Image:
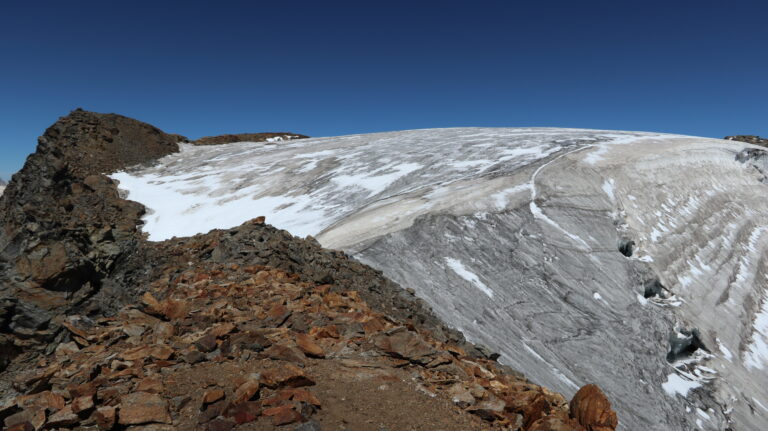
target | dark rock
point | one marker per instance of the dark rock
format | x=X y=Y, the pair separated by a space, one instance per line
x=220 y=425
x=194 y=357
x=683 y=343
x=206 y=343
x=247 y=137
x=751 y=139
x=64 y=225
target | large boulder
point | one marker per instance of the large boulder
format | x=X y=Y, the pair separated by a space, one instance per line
x=591 y=408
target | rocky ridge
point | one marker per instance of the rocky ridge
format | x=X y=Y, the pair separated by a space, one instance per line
x=101 y=328
x=248 y=137
x=750 y=139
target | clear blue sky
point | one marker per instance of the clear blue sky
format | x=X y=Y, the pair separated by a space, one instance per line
x=326 y=68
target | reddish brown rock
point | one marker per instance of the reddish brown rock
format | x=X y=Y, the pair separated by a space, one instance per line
x=220 y=330
x=212 y=411
x=45 y=399
x=591 y=408
x=247 y=390
x=33 y=415
x=143 y=407
x=213 y=395
x=63 y=418
x=173 y=309
x=288 y=375
x=283 y=415
x=150 y=384
x=307 y=344
x=206 y=343
x=285 y=353
x=23 y=426
x=105 y=417
x=220 y=425
x=244 y=412
x=82 y=404
x=161 y=352
x=298 y=395
x=405 y=344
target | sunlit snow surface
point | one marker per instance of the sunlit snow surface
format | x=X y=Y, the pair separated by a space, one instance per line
x=512 y=235
x=306 y=185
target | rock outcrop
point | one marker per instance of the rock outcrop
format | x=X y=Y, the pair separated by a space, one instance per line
x=750 y=139
x=64 y=227
x=248 y=137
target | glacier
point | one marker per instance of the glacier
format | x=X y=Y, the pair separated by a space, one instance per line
x=633 y=260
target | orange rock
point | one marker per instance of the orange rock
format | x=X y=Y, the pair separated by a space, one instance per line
x=143 y=407
x=283 y=415
x=247 y=390
x=331 y=331
x=150 y=384
x=173 y=309
x=223 y=329
x=136 y=353
x=534 y=411
x=591 y=408
x=307 y=345
x=214 y=395
x=374 y=325
x=152 y=304
x=161 y=352
x=287 y=375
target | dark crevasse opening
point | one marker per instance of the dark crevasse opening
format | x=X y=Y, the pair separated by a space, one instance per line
x=626 y=247
x=683 y=343
x=654 y=288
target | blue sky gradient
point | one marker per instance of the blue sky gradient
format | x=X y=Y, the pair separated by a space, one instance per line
x=331 y=68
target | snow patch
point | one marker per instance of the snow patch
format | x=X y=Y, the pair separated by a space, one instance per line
x=676 y=384
x=459 y=268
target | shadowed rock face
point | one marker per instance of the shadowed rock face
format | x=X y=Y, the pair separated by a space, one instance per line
x=521 y=239
x=63 y=226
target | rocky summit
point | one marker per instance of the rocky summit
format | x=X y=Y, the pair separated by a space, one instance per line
x=247 y=327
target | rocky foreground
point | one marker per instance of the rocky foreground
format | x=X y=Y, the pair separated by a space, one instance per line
x=248 y=327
